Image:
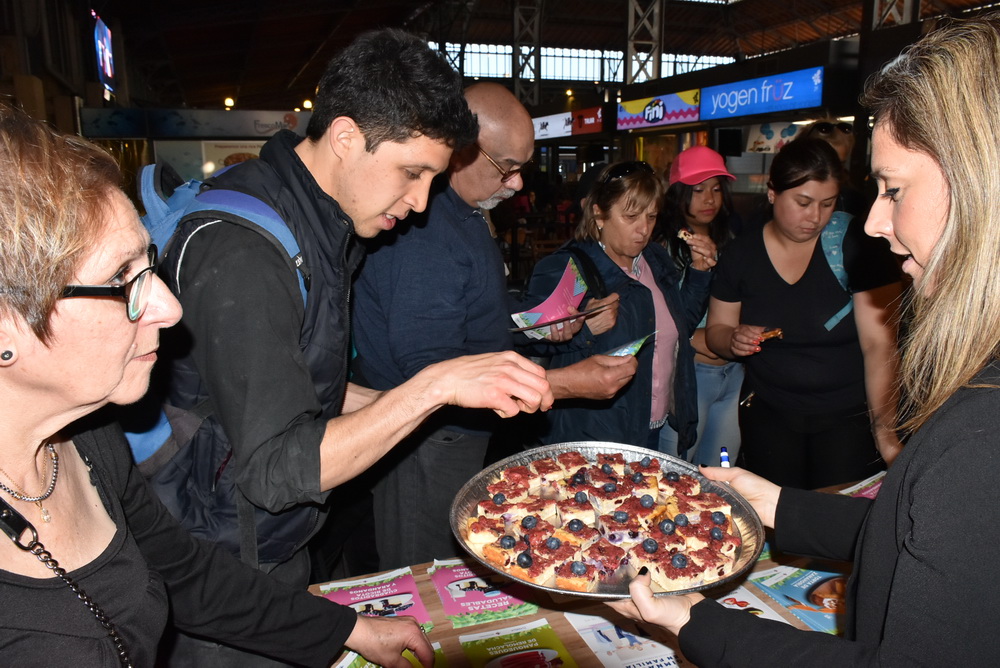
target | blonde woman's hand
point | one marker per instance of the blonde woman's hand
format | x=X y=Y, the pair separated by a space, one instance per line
x=761 y=493
x=670 y=612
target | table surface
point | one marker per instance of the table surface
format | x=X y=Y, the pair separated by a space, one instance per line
x=551 y=607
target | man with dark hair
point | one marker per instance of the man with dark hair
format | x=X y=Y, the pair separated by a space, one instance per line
x=439 y=291
x=283 y=423
x=409 y=92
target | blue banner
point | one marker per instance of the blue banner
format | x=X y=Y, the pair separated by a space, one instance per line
x=791 y=90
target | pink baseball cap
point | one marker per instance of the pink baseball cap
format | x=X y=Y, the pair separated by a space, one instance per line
x=697 y=164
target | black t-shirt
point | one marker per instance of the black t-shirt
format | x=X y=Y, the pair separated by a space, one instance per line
x=810 y=370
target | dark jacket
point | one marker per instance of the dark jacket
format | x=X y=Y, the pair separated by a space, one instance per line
x=625 y=418
x=150 y=559
x=923 y=590
x=273 y=371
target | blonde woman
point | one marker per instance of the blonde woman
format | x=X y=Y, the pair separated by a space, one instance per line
x=923 y=591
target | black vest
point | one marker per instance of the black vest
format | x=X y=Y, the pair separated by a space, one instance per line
x=198 y=486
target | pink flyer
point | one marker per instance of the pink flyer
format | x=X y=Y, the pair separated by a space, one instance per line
x=392 y=594
x=475 y=596
x=568 y=293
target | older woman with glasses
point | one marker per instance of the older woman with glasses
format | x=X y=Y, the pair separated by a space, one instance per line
x=92 y=562
x=611 y=247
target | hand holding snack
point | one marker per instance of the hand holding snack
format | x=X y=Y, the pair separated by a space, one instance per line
x=746 y=339
x=704 y=254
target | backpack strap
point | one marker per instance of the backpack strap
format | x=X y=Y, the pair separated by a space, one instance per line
x=226 y=204
x=595 y=284
x=832 y=242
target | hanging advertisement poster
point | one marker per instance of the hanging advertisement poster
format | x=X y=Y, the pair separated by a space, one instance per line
x=668 y=109
x=781 y=92
x=770 y=137
x=577 y=122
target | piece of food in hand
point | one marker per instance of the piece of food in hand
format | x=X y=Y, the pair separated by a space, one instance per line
x=775 y=333
x=685 y=234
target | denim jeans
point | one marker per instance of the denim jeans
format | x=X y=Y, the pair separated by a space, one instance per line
x=718 y=420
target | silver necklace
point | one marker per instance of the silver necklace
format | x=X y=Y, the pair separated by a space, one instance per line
x=21 y=495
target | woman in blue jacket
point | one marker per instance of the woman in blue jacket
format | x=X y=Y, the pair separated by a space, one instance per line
x=611 y=247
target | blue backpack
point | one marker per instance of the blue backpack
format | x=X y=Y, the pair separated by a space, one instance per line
x=159 y=432
x=168 y=200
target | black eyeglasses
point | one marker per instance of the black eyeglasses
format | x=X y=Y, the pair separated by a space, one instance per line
x=505 y=174
x=623 y=169
x=135 y=292
x=825 y=128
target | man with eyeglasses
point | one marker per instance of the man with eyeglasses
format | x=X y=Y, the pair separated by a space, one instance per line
x=436 y=290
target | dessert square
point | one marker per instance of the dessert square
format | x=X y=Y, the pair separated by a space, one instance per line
x=604 y=556
x=576 y=576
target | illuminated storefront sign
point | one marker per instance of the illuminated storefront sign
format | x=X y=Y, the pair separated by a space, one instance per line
x=791 y=90
x=666 y=109
x=577 y=122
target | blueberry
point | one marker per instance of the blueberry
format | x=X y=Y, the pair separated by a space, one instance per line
x=578 y=568
x=677 y=561
x=580 y=497
x=681 y=520
x=637 y=478
x=508 y=542
x=610 y=487
x=649 y=545
x=579 y=478
x=499 y=498
x=667 y=527
x=672 y=476
x=619 y=516
x=718 y=518
x=715 y=533
x=575 y=525
x=524 y=560
x=529 y=522
x=553 y=543
x=647 y=501
x=607 y=468
x=646 y=461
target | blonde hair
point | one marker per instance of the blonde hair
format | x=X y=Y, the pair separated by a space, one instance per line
x=638 y=187
x=54 y=194
x=941 y=97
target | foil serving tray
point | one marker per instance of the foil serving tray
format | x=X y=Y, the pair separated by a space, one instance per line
x=745 y=520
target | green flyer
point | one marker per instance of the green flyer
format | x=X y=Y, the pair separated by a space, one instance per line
x=532 y=644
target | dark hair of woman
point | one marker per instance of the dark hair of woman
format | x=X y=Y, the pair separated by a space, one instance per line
x=677 y=203
x=803 y=160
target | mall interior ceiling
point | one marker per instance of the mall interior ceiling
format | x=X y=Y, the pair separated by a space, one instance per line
x=269 y=55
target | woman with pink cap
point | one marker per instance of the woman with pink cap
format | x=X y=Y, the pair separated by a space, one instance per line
x=699 y=202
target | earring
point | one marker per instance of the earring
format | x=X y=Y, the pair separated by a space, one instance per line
x=6 y=355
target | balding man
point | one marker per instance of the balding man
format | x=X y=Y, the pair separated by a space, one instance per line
x=435 y=291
